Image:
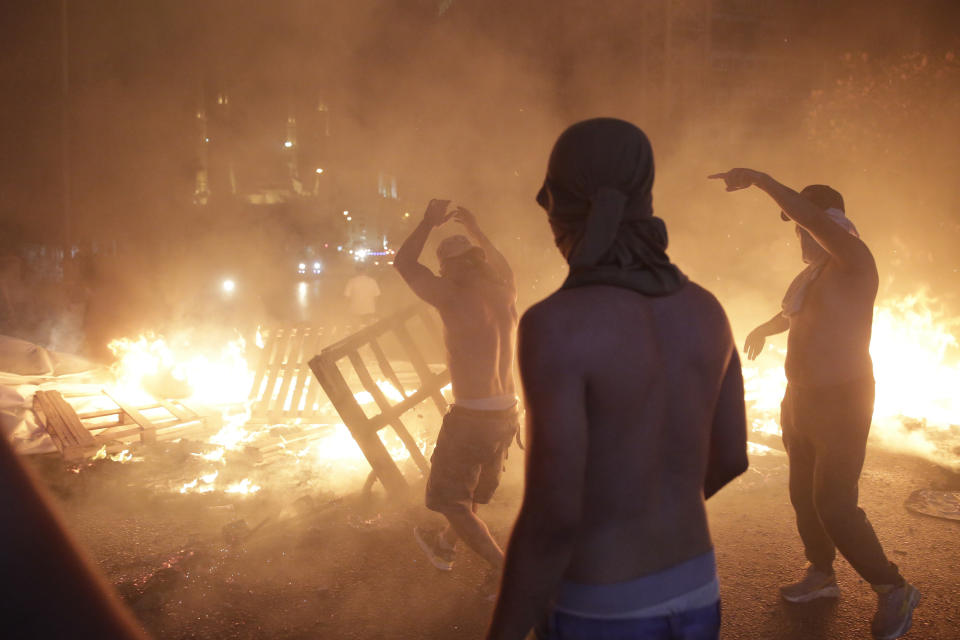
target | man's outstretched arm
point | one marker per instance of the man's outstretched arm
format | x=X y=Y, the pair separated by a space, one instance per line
x=494 y=257
x=728 y=436
x=421 y=280
x=849 y=251
x=758 y=337
x=544 y=535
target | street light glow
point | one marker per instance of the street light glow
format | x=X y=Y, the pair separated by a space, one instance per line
x=287 y=144
x=229 y=286
x=319 y=170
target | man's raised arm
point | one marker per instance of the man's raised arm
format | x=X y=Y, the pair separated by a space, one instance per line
x=421 y=280
x=494 y=258
x=849 y=250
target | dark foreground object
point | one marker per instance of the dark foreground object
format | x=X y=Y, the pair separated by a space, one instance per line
x=48 y=588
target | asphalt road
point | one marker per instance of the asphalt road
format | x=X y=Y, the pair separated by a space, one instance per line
x=348 y=567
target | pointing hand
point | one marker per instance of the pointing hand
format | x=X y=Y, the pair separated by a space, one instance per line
x=737 y=179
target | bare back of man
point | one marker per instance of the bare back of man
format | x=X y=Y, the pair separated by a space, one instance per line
x=635 y=414
x=475 y=295
x=653 y=375
x=479 y=321
x=829 y=339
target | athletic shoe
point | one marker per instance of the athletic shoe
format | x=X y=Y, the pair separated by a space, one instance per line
x=437 y=551
x=895 y=607
x=815 y=584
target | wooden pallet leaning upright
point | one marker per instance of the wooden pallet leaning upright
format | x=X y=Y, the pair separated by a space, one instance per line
x=283 y=387
x=327 y=368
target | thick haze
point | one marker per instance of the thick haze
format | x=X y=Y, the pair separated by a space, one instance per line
x=466 y=103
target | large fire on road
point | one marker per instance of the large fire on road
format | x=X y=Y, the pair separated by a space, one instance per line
x=219 y=377
x=916 y=366
x=917 y=369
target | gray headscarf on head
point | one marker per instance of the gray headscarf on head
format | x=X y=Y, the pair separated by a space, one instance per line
x=597 y=194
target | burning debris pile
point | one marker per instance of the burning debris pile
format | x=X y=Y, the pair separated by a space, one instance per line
x=244 y=417
x=916 y=363
x=239 y=427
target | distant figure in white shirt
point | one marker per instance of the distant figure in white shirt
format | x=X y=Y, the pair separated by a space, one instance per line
x=362 y=292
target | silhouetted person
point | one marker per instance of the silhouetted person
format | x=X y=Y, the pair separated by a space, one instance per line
x=828 y=405
x=362 y=292
x=476 y=296
x=635 y=415
x=49 y=589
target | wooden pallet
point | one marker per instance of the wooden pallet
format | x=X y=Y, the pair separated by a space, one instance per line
x=81 y=435
x=284 y=389
x=343 y=362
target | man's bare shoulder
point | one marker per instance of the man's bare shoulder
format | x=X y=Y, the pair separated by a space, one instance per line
x=588 y=302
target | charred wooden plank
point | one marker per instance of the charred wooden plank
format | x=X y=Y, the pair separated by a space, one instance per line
x=60 y=420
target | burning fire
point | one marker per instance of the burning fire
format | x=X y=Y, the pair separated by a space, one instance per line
x=916 y=365
x=151 y=366
x=917 y=369
x=206 y=376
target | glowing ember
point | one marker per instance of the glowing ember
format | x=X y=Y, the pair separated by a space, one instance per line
x=202 y=484
x=123 y=456
x=234 y=433
x=244 y=487
x=217 y=455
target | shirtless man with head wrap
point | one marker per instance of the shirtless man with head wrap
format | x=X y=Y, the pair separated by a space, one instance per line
x=828 y=405
x=635 y=415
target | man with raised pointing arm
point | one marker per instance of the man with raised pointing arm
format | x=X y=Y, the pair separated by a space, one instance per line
x=828 y=405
